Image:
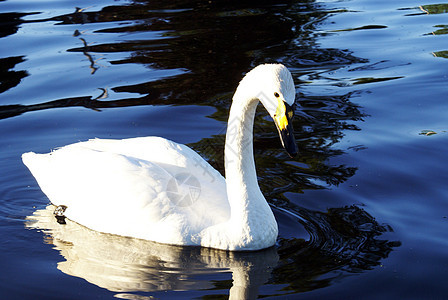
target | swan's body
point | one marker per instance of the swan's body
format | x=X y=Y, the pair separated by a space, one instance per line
x=155 y=189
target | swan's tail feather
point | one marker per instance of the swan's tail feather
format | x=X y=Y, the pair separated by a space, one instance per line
x=34 y=162
x=39 y=166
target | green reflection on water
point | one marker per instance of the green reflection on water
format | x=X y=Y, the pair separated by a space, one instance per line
x=435 y=8
x=443 y=54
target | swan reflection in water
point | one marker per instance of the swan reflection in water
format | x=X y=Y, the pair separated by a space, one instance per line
x=122 y=264
x=340 y=242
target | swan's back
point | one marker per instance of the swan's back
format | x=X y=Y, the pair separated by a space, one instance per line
x=132 y=187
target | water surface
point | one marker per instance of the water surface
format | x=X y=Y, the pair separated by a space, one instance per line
x=363 y=209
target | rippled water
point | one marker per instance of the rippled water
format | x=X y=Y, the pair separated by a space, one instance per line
x=362 y=211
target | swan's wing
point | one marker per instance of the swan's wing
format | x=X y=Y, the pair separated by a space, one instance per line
x=125 y=195
x=181 y=163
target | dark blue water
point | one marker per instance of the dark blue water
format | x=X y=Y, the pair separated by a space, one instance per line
x=362 y=211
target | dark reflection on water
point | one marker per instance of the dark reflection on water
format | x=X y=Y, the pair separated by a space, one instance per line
x=344 y=241
x=8 y=77
x=208 y=42
x=9 y=23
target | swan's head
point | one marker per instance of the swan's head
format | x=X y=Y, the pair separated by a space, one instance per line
x=276 y=91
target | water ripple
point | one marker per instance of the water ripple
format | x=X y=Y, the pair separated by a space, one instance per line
x=342 y=241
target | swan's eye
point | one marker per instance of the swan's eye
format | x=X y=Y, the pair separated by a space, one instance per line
x=276 y=95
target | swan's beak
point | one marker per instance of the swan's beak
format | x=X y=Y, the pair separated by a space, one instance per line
x=283 y=121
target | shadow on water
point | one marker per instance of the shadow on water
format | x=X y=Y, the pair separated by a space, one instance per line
x=206 y=40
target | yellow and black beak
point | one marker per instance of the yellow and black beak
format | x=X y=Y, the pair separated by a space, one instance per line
x=283 y=120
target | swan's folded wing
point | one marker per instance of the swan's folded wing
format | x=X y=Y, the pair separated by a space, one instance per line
x=124 y=195
x=208 y=201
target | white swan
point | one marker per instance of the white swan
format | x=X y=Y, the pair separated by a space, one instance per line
x=154 y=189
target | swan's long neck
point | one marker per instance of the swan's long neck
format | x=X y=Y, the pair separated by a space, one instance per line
x=243 y=191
